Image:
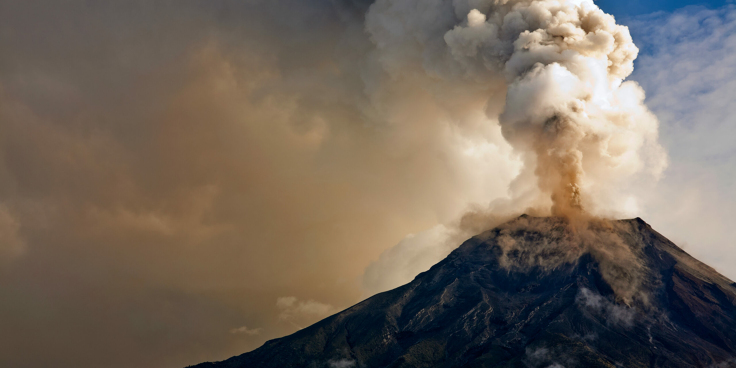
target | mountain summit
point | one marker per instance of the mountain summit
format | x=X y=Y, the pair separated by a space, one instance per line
x=534 y=292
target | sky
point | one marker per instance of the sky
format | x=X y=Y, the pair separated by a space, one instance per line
x=629 y=8
x=182 y=181
x=688 y=73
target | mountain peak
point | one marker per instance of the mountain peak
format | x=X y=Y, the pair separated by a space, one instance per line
x=533 y=292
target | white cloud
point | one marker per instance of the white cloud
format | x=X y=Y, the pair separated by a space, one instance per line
x=536 y=357
x=302 y=313
x=342 y=363
x=418 y=252
x=414 y=254
x=613 y=313
x=244 y=330
x=689 y=72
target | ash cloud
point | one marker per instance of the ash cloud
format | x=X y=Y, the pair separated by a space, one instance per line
x=553 y=78
x=565 y=241
x=552 y=75
x=194 y=161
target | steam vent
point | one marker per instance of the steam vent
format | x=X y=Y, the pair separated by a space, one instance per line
x=534 y=292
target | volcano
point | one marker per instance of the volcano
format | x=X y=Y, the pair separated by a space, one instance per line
x=534 y=292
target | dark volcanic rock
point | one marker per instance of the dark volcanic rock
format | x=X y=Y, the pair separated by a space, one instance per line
x=534 y=292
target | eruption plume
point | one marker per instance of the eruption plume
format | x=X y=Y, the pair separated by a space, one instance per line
x=555 y=68
x=551 y=75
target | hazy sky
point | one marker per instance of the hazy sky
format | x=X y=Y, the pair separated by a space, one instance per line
x=181 y=181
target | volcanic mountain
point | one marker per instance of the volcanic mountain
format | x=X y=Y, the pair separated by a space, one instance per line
x=534 y=292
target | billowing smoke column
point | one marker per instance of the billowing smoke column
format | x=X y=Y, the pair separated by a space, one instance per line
x=553 y=75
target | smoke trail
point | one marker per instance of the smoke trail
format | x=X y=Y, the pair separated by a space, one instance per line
x=555 y=68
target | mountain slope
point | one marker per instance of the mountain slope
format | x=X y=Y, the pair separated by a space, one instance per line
x=534 y=292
